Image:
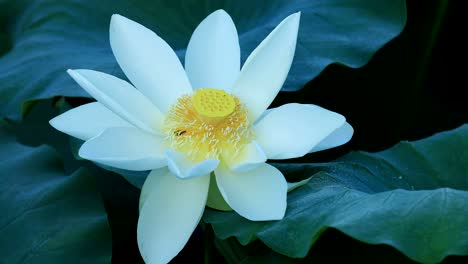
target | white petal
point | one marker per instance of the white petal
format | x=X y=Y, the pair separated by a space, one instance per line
x=213 y=53
x=125 y=148
x=258 y=194
x=170 y=214
x=215 y=199
x=151 y=183
x=291 y=130
x=248 y=158
x=184 y=168
x=266 y=69
x=337 y=138
x=87 y=121
x=148 y=61
x=121 y=98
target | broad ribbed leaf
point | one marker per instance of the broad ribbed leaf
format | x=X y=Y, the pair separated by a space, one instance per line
x=49 y=36
x=412 y=196
x=47 y=215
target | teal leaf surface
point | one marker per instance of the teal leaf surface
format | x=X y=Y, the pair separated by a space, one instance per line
x=48 y=216
x=45 y=38
x=413 y=196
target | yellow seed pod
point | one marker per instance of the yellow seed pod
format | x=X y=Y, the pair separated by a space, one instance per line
x=213 y=103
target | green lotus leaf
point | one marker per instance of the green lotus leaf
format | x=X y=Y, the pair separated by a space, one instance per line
x=45 y=38
x=48 y=215
x=412 y=196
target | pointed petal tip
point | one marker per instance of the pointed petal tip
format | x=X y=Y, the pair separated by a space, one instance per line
x=116 y=18
x=294 y=18
x=296 y=15
x=350 y=129
x=220 y=12
x=70 y=72
x=78 y=77
x=75 y=74
x=54 y=122
x=81 y=152
x=84 y=150
x=349 y=132
x=291 y=21
x=219 y=17
x=119 y=23
x=58 y=123
x=82 y=71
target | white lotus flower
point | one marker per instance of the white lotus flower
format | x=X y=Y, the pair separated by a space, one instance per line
x=185 y=124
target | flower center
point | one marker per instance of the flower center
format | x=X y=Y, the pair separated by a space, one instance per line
x=207 y=124
x=213 y=103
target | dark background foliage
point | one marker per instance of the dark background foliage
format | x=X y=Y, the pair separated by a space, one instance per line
x=410 y=89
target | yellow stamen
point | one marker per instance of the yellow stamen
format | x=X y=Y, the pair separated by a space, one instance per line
x=206 y=124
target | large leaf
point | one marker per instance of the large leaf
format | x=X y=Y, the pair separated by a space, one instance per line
x=48 y=37
x=412 y=196
x=47 y=215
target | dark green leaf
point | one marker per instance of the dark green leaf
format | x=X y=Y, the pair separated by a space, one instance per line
x=48 y=37
x=412 y=196
x=47 y=215
x=135 y=178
